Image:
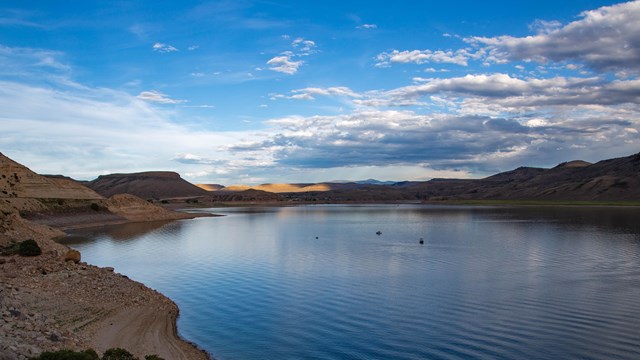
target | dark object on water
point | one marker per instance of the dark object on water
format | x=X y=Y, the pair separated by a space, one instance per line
x=316 y=237
x=421 y=241
x=378 y=232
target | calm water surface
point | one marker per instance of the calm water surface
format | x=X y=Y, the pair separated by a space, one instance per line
x=316 y=282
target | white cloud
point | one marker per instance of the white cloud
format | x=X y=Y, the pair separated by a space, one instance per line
x=163 y=48
x=158 y=97
x=303 y=47
x=88 y=132
x=310 y=92
x=367 y=26
x=284 y=64
x=193 y=47
x=511 y=92
x=459 y=57
x=544 y=26
x=605 y=39
x=24 y=61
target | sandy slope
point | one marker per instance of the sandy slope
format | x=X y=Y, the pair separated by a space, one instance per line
x=147 y=331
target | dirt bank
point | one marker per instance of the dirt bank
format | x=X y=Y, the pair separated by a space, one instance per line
x=47 y=303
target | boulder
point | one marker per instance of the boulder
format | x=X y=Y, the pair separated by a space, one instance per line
x=72 y=255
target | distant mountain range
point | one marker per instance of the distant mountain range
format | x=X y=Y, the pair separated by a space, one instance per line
x=608 y=180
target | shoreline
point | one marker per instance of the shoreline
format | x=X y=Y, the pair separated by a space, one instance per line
x=49 y=303
x=124 y=328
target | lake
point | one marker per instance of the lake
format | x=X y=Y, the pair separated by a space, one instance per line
x=317 y=282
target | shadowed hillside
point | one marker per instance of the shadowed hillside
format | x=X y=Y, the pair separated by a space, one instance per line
x=608 y=180
x=147 y=185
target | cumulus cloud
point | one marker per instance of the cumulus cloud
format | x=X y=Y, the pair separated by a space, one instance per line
x=506 y=93
x=545 y=26
x=605 y=39
x=285 y=62
x=459 y=57
x=163 y=48
x=389 y=137
x=158 y=97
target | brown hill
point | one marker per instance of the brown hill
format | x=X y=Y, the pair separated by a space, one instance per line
x=249 y=195
x=210 y=187
x=282 y=188
x=18 y=181
x=608 y=180
x=62 y=202
x=147 y=185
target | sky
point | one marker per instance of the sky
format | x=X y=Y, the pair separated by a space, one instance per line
x=251 y=92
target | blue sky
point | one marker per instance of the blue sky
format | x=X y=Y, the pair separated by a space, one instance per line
x=281 y=91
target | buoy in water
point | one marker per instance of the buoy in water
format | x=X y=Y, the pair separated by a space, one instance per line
x=421 y=241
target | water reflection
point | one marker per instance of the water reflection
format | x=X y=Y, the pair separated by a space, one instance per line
x=122 y=232
x=317 y=282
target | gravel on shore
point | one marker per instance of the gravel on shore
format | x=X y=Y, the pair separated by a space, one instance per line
x=48 y=303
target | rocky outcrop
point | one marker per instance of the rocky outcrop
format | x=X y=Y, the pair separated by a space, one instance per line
x=54 y=301
x=48 y=304
x=18 y=181
x=146 y=185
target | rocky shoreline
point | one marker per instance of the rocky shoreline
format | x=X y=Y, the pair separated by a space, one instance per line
x=51 y=302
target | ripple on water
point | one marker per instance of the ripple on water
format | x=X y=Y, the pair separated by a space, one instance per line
x=489 y=283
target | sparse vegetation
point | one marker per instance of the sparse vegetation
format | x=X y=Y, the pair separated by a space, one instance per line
x=29 y=248
x=90 y=354
x=118 y=354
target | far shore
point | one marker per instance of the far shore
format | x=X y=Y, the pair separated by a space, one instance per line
x=183 y=206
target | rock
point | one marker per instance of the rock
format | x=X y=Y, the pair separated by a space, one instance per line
x=72 y=255
x=55 y=336
x=109 y=268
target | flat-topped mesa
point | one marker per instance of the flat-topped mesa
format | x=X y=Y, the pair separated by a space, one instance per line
x=144 y=174
x=147 y=185
x=18 y=181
